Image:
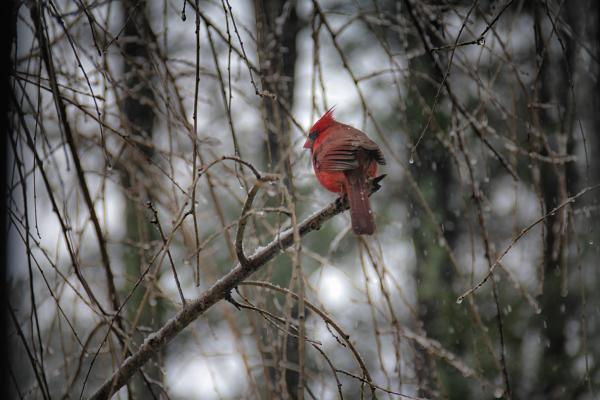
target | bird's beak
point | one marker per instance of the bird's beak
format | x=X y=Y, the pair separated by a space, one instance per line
x=308 y=144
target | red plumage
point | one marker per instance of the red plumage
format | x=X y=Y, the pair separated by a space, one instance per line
x=324 y=122
x=343 y=159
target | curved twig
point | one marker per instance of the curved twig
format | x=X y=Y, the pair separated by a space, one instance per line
x=239 y=236
x=232 y=158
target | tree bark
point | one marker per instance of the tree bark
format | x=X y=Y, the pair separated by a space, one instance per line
x=138 y=110
x=277 y=26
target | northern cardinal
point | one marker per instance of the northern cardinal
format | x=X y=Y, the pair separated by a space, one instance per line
x=344 y=158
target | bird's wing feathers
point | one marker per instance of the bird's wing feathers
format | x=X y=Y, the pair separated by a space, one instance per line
x=338 y=152
x=334 y=156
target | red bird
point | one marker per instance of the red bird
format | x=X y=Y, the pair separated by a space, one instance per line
x=344 y=158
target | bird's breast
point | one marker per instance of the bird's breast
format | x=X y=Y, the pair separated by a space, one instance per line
x=334 y=181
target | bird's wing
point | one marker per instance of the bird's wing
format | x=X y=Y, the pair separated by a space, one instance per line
x=339 y=151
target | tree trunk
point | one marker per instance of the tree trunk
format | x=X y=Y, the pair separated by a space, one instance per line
x=277 y=25
x=558 y=182
x=138 y=109
x=434 y=273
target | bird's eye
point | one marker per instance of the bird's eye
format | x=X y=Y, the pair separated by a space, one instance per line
x=312 y=136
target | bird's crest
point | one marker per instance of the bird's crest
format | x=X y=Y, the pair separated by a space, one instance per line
x=323 y=122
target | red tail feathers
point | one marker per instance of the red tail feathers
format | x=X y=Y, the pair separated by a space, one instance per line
x=363 y=222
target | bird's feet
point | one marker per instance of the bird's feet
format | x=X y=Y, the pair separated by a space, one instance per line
x=374 y=183
x=230 y=299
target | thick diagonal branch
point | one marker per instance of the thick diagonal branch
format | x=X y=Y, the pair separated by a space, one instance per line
x=218 y=291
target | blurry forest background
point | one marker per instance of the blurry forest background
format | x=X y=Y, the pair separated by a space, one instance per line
x=480 y=282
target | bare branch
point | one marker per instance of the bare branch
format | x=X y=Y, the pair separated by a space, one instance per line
x=218 y=291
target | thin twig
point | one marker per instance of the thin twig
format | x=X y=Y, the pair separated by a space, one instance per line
x=156 y=221
x=239 y=236
x=519 y=236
